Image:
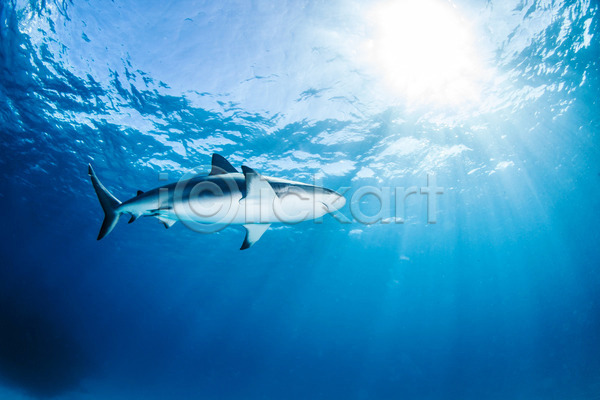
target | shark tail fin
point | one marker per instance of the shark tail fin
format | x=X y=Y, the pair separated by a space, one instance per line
x=108 y=202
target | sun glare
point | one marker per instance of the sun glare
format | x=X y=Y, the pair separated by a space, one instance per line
x=425 y=51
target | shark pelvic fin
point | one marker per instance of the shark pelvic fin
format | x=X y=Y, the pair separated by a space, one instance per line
x=109 y=203
x=253 y=233
x=221 y=166
x=167 y=222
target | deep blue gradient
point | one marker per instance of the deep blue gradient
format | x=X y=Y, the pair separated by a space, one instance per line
x=498 y=300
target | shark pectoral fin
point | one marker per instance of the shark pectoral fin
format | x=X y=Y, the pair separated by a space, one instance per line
x=257 y=187
x=253 y=233
x=167 y=222
x=221 y=166
x=260 y=198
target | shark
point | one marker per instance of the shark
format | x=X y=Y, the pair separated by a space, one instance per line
x=224 y=197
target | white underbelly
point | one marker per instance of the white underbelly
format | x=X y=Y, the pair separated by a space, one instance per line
x=235 y=210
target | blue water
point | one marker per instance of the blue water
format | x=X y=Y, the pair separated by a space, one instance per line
x=499 y=299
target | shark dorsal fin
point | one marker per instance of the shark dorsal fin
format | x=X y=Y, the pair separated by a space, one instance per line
x=139 y=192
x=221 y=166
x=253 y=233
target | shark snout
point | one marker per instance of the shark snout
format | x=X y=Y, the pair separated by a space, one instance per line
x=333 y=201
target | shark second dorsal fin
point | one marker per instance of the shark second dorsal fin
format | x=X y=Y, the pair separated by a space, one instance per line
x=221 y=166
x=253 y=233
x=139 y=192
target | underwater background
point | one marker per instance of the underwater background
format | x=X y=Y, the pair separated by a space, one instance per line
x=499 y=299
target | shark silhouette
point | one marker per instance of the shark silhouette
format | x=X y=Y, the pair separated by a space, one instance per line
x=221 y=198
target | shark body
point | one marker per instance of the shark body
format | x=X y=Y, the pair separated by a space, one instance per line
x=224 y=197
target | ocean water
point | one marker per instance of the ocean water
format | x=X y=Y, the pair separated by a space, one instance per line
x=496 y=101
